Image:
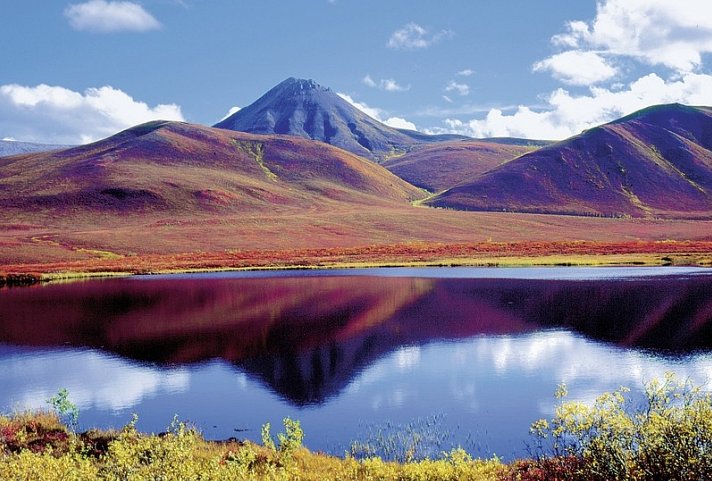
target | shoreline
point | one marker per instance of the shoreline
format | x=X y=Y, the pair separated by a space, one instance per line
x=491 y=255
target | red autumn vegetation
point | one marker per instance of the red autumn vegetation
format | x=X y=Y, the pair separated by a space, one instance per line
x=394 y=254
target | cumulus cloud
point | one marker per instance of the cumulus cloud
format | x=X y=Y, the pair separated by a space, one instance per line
x=462 y=89
x=373 y=112
x=577 y=67
x=389 y=84
x=100 y=16
x=565 y=114
x=52 y=114
x=399 y=123
x=379 y=114
x=672 y=37
x=657 y=32
x=233 y=110
x=413 y=36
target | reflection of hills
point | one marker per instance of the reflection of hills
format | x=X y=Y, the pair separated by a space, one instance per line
x=661 y=314
x=308 y=337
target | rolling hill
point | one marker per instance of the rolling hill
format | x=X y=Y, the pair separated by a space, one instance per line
x=443 y=165
x=178 y=167
x=656 y=162
x=306 y=109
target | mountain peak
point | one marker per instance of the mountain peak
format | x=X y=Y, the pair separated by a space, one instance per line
x=304 y=108
x=301 y=84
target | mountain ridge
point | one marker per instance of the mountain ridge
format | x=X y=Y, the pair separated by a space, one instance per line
x=653 y=162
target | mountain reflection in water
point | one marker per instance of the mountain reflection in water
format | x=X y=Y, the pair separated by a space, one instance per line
x=308 y=338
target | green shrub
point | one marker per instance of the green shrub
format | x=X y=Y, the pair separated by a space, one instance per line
x=668 y=437
x=65 y=409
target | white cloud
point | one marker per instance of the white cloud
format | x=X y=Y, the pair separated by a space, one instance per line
x=466 y=73
x=399 y=123
x=367 y=80
x=389 y=84
x=577 y=67
x=565 y=114
x=412 y=36
x=658 y=32
x=233 y=110
x=635 y=34
x=447 y=99
x=106 y=17
x=462 y=89
x=52 y=114
x=378 y=114
x=373 y=112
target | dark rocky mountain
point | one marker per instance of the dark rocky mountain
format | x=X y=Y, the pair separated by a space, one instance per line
x=306 y=109
x=656 y=162
x=11 y=147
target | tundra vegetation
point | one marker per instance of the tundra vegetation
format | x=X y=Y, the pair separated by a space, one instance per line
x=666 y=434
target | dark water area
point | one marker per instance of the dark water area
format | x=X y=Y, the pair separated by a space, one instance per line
x=473 y=355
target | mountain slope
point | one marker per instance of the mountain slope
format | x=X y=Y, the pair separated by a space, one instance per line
x=179 y=167
x=655 y=162
x=443 y=165
x=306 y=109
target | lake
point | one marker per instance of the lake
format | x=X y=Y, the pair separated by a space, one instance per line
x=466 y=356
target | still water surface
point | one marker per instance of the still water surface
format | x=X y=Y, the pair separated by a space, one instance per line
x=473 y=355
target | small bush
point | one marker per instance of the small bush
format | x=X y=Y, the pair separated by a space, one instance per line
x=65 y=409
x=668 y=437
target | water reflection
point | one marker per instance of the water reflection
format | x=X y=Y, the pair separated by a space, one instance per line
x=307 y=338
x=334 y=352
x=95 y=379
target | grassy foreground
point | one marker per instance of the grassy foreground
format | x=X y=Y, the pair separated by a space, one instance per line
x=668 y=436
x=39 y=447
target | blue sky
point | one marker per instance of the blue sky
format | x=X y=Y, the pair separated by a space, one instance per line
x=78 y=70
